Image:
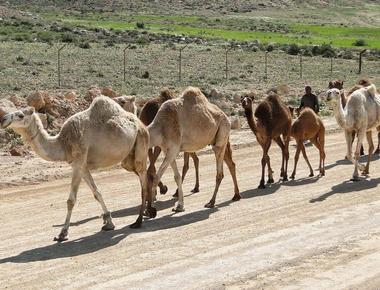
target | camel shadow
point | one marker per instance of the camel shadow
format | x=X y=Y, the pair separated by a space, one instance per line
x=348 y=186
x=102 y=240
x=303 y=181
x=363 y=159
x=131 y=211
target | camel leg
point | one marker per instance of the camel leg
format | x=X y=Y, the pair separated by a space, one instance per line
x=370 y=150
x=355 y=176
x=177 y=177
x=319 y=143
x=196 y=165
x=264 y=159
x=219 y=151
x=286 y=153
x=232 y=168
x=153 y=156
x=378 y=144
x=151 y=211
x=296 y=157
x=349 y=140
x=270 y=171
x=75 y=182
x=285 y=156
x=107 y=218
x=282 y=147
x=303 y=150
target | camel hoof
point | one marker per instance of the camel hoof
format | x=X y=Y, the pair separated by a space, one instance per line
x=210 y=204
x=236 y=197
x=109 y=226
x=285 y=178
x=176 y=193
x=355 y=178
x=178 y=208
x=365 y=172
x=261 y=186
x=270 y=180
x=311 y=174
x=137 y=224
x=163 y=189
x=62 y=237
x=377 y=151
x=195 y=190
x=322 y=173
x=151 y=212
x=293 y=176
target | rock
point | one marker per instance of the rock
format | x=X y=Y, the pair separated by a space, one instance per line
x=109 y=92
x=235 y=122
x=281 y=90
x=6 y=106
x=92 y=93
x=37 y=100
x=71 y=96
x=17 y=101
x=16 y=151
x=215 y=94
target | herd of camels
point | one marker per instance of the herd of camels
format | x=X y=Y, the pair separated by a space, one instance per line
x=109 y=132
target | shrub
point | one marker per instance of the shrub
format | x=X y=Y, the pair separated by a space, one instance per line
x=85 y=45
x=68 y=38
x=360 y=42
x=294 y=49
x=140 y=25
x=45 y=36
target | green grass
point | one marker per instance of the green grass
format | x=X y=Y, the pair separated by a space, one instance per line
x=300 y=33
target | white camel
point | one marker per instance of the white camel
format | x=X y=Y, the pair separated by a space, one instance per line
x=361 y=114
x=101 y=136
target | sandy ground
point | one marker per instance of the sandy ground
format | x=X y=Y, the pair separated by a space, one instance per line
x=315 y=233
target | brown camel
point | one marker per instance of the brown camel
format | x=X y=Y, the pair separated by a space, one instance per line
x=188 y=124
x=338 y=84
x=271 y=120
x=147 y=114
x=309 y=126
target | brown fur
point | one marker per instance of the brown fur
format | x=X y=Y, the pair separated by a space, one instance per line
x=309 y=126
x=273 y=121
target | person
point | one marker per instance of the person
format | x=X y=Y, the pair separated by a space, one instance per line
x=309 y=100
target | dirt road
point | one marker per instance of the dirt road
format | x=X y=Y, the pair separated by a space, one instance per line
x=321 y=233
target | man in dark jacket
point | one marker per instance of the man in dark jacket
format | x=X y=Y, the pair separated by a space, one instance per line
x=309 y=100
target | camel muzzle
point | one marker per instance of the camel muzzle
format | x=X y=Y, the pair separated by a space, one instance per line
x=5 y=121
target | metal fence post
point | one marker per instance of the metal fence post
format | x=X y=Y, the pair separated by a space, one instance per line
x=124 y=63
x=227 y=51
x=266 y=65
x=360 y=60
x=301 y=73
x=180 y=63
x=59 y=64
x=331 y=66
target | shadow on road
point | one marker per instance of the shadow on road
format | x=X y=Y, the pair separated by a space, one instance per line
x=348 y=186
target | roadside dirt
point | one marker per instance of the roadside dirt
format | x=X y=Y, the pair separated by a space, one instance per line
x=317 y=233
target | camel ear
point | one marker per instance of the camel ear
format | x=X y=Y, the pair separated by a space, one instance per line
x=330 y=85
x=132 y=98
x=29 y=111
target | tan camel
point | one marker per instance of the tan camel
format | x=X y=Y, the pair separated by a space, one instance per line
x=188 y=124
x=101 y=136
x=309 y=126
x=127 y=103
x=271 y=120
x=147 y=114
x=361 y=114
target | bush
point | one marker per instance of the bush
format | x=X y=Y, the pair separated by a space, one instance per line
x=45 y=36
x=140 y=25
x=85 y=45
x=294 y=49
x=22 y=37
x=68 y=38
x=360 y=42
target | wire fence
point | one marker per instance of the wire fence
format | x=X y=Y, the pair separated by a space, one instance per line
x=31 y=66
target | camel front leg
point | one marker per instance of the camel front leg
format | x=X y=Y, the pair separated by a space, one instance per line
x=349 y=139
x=108 y=225
x=185 y=168
x=303 y=150
x=355 y=176
x=75 y=182
x=232 y=168
x=153 y=154
x=296 y=157
x=219 y=151
x=370 y=152
x=177 y=177
x=196 y=165
x=264 y=159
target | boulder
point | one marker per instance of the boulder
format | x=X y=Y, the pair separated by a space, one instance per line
x=17 y=101
x=6 y=106
x=215 y=94
x=37 y=100
x=235 y=122
x=71 y=96
x=109 y=92
x=92 y=93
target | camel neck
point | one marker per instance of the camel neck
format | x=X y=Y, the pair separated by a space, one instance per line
x=339 y=113
x=250 y=118
x=46 y=146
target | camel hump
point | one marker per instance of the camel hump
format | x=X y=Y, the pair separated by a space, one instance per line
x=193 y=93
x=372 y=90
x=167 y=94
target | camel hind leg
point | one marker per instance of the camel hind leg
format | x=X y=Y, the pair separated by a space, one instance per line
x=296 y=157
x=303 y=150
x=232 y=168
x=370 y=152
x=185 y=168
x=355 y=176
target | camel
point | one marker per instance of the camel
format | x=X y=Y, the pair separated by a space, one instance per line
x=101 y=136
x=361 y=114
x=188 y=124
x=127 y=103
x=147 y=114
x=270 y=120
x=309 y=126
x=338 y=84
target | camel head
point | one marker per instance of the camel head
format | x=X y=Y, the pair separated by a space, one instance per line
x=333 y=95
x=247 y=101
x=127 y=103
x=337 y=84
x=19 y=119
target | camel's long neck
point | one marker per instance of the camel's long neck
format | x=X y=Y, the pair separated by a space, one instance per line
x=340 y=114
x=251 y=119
x=46 y=146
x=155 y=134
x=343 y=99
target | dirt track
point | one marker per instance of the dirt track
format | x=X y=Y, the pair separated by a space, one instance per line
x=310 y=233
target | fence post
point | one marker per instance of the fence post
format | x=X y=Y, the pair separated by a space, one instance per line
x=266 y=65
x=360 y=60
x=124 y=62
x=331 y=66
x=301 y=65
x=59 y=64
x=227 y=51
x=180 y=63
